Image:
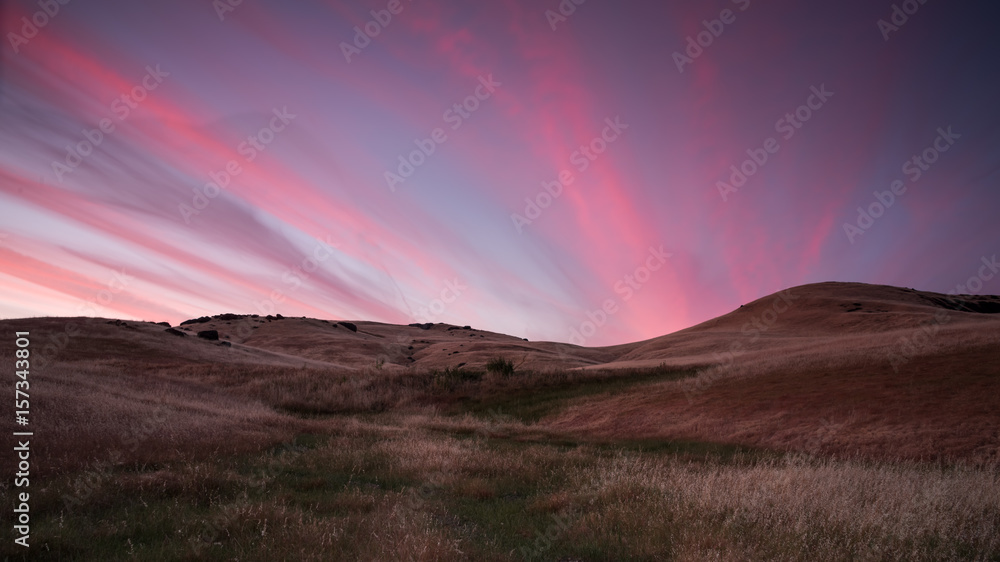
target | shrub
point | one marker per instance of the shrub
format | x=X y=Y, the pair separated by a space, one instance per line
x=501 y=366
x=452 y=376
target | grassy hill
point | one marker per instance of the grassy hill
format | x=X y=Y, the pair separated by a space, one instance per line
x=832 y=421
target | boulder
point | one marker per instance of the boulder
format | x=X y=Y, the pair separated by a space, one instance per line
x=210 y=335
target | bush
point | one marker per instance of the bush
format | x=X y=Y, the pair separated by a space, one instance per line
x=449 y=378
x=501 y=366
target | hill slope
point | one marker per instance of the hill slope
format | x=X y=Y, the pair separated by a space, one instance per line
x=833 y=368
x=838 y=368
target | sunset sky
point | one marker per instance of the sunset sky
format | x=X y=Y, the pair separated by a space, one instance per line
x=301 y=120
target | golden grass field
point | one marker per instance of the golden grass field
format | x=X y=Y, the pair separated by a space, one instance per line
x=829 y=422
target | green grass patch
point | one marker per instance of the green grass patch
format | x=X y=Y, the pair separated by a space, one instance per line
x=548 y=397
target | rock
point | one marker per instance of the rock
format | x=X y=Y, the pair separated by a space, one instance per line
x=426 y=326
x=209 y=334
x=350 y=326
x=175 y=332
x=201 y=320
x=278 y=317
x=225 y=344
x=167 y=324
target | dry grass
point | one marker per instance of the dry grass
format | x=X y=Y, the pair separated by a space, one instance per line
x=326 y=391
x=807 y=446
x=430 y=487
x=796 y=508
x=93 y=412
x=838 y=396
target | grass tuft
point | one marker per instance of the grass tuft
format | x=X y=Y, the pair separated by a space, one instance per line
x=500 y=366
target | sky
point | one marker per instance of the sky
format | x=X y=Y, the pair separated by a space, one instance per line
x=596 y=173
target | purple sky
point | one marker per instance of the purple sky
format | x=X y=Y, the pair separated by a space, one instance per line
x=312 y=212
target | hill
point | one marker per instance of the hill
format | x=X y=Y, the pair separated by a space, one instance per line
x=834 y=421
x=837 y=368
x=880 y=370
